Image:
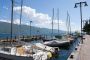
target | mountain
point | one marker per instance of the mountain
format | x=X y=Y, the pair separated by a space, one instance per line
x=25 y=29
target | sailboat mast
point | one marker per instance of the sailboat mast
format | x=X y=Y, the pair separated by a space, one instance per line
x=52 y=21
x=58 y=19
x=12 y=19
x=69 y=25
x=20 y=18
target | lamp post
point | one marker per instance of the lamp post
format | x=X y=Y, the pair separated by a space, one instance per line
x=30 y=28
x=80 y=5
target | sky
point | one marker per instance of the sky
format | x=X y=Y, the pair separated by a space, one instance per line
x=40 y=13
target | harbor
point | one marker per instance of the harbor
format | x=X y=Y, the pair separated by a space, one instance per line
x=62 y=50
x=44 y=30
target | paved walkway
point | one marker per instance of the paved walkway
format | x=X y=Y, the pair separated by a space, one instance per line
x=84 y=53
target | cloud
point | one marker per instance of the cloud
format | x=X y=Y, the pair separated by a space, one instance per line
x=3 y=20
x=40 y=19
x=15 y=21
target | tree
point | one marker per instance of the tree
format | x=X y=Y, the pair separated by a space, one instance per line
x=86 y=27
x=77 y=33
x=58 y=36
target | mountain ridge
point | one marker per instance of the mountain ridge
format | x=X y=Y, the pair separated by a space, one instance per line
x=25 y=29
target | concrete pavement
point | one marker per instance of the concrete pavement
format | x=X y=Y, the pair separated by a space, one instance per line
x=83 y=50
x=84 y=53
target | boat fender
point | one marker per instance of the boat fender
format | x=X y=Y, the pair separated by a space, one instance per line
x=49 y=54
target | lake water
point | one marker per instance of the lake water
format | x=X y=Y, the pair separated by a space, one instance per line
x=5 y=36
x=64 y=54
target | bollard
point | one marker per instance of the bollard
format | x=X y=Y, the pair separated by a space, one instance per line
x=76 y=48
x=72 y=56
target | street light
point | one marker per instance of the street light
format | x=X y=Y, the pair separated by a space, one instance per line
x=30 y=28
x=80 y=5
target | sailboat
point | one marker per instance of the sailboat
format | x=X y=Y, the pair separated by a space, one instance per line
x=56 y=42
x=70 y=37
x=11 y=49
x=14 y=51
x=18 y=50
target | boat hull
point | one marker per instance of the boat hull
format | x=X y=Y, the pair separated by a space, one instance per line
x=14 y=57
x=58 y=45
